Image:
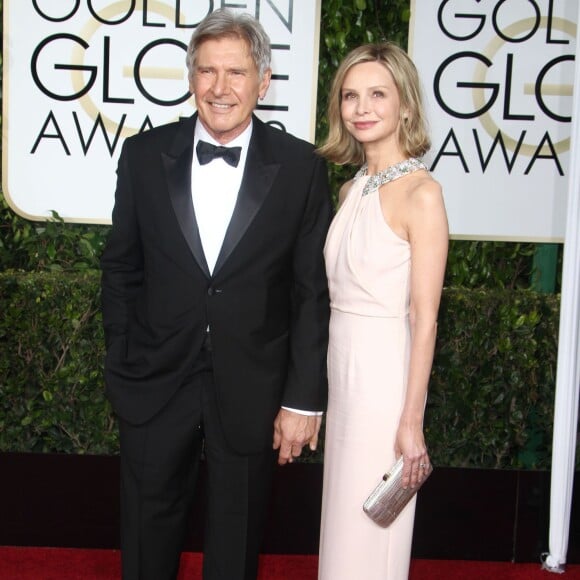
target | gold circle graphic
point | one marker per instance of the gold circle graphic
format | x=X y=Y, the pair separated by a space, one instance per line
x=490 y=51
x=86 y=33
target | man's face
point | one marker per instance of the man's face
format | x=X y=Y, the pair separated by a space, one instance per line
x=226 y=85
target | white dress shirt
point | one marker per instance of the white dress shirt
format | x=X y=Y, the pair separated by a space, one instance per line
x=215 y=188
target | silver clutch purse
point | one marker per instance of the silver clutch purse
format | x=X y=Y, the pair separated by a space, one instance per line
x=389 y=498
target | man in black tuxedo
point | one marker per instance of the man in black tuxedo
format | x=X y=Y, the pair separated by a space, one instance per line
x=215 y=310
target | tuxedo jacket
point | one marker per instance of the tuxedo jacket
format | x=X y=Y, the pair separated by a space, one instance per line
x=266 y=301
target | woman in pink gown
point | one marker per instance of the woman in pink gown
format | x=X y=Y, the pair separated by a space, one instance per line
x=385 y=259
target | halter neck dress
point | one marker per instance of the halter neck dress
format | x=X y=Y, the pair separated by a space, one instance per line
x=368 y=269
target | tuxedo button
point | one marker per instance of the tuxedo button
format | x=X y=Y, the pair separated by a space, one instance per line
x=212 y=291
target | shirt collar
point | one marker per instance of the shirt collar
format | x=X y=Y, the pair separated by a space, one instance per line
x=242 y=140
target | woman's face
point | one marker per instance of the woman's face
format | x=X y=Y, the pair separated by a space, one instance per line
x=370 y=105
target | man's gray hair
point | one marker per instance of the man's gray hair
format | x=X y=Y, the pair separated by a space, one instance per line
x=224 y=23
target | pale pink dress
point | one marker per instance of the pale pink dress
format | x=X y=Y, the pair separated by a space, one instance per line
x=368 y=269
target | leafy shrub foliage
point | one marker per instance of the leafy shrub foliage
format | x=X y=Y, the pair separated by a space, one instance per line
x=490 y=404
x=48 y=246
x=491 y=398
x=51 y=384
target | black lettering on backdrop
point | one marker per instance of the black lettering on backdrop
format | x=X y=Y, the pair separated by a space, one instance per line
x=538 y=88
x=128 y=13
x=452 y=153
x=34 y=68
x=497 y=140
x=532 y=31
x=145 y=21
x=287 y=21
x=137 y=74
x=508 y=94
x=179 y=24
x=85 y=145
x=451 y=147
x=459 y=15
x=106 y=67
x=546 y=140
x=105 y=15
x=549 y=39
x=480 y=20
x=107 y=98
x=50 y=120
x=100 y=19
x=146 y=125
x=51 y=130
x=62 y=18
x=495 y=88
x=225 y=4
x=469 y=85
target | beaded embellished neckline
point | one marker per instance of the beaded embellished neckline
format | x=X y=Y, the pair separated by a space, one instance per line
x=389 y=174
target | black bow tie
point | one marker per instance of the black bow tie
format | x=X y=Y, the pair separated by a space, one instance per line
x=207 y=152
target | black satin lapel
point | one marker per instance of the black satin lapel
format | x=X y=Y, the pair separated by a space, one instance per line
x=256 y=184
x=178 y=171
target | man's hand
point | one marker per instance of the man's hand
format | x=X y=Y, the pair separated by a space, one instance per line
x=292 y=431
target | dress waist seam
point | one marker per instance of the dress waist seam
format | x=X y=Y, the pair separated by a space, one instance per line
x=373 y=315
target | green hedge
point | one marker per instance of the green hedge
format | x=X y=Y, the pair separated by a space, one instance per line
x=51 y=357
x=491 y=399
x=490 y=402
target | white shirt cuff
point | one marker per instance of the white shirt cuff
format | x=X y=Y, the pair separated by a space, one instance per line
x=301 y=412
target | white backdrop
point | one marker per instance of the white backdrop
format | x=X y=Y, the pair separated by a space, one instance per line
x=568 y=375
x=504 y=72
x=81 y=75
x=498 y=81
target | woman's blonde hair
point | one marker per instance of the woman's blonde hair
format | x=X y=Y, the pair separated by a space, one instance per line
x=340 y=146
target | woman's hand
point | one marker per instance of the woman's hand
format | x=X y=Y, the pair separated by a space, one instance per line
x=410 y=443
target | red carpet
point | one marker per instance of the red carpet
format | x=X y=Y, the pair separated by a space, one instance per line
x=74 y=564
